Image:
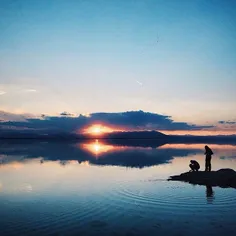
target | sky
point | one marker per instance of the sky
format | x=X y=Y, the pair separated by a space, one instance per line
x=167 y=57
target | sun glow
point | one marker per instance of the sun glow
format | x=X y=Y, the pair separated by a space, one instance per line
x=98 y=129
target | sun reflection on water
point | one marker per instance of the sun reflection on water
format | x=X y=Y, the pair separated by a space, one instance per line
x=97 y=148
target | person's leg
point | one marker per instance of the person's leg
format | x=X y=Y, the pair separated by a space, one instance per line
x=209 y=164
x=194 y=167
x=206 y=164
x=191 y=167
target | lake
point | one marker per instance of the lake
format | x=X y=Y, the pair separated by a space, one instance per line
x=106 y=188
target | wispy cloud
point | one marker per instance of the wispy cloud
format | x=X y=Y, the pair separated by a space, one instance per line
x=30 y=90
x=140 y=83
x=7 y=116
x=13 y=89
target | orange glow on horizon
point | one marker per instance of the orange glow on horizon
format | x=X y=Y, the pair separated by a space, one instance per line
x=15 y=165
x=199 y=132
x=99 y=129
x=198 y=146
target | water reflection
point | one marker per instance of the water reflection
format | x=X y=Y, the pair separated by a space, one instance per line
x=96 y=147
x=83 y=189
x=97 y=152
x=99 y=148
x=209 y=194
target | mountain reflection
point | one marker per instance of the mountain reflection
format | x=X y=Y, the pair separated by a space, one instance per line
x=99 y=152
x=99 y=148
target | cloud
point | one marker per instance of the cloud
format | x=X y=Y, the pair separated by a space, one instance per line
x=66 y=114
x=221 y=122
x=140 y=83
x=143 y=120
x=133 y=120
x=30 y=90
x=2 y=92
x=227 y=122
x=7 y=116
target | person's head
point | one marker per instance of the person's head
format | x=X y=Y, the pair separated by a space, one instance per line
x=207 y=148
x=191 y=161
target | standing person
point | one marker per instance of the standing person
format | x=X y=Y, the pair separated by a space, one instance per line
x=208 y=153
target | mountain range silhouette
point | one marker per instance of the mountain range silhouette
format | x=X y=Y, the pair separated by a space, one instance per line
x=128 y=137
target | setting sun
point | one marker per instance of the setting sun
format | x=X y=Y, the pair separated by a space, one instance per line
x=98 y=129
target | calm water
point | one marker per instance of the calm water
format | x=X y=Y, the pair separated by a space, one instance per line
x=100 y=188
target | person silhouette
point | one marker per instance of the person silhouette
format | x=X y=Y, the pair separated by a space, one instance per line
x=208 y=153
x=194 y=165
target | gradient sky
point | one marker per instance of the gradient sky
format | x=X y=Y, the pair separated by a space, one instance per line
x=165 y=56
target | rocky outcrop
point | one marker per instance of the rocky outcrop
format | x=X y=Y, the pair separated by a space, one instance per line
x=222 y=178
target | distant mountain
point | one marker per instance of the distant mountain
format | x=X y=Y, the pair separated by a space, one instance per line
x=135 y=135
x=123 y=137
x=62 y=135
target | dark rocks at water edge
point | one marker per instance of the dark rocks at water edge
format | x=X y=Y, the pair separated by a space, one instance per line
x=222 y=178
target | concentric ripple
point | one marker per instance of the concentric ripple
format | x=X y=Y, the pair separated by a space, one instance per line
x=172 y=196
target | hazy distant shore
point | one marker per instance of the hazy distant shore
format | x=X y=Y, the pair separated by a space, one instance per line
x=125 y=137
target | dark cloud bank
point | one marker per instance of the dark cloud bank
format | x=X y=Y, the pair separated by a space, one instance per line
x=227 y=122
x=137 y=120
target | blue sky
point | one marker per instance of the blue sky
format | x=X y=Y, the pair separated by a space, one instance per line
x=176 y=58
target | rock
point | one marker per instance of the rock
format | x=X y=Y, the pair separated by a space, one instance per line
x=222 y=178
